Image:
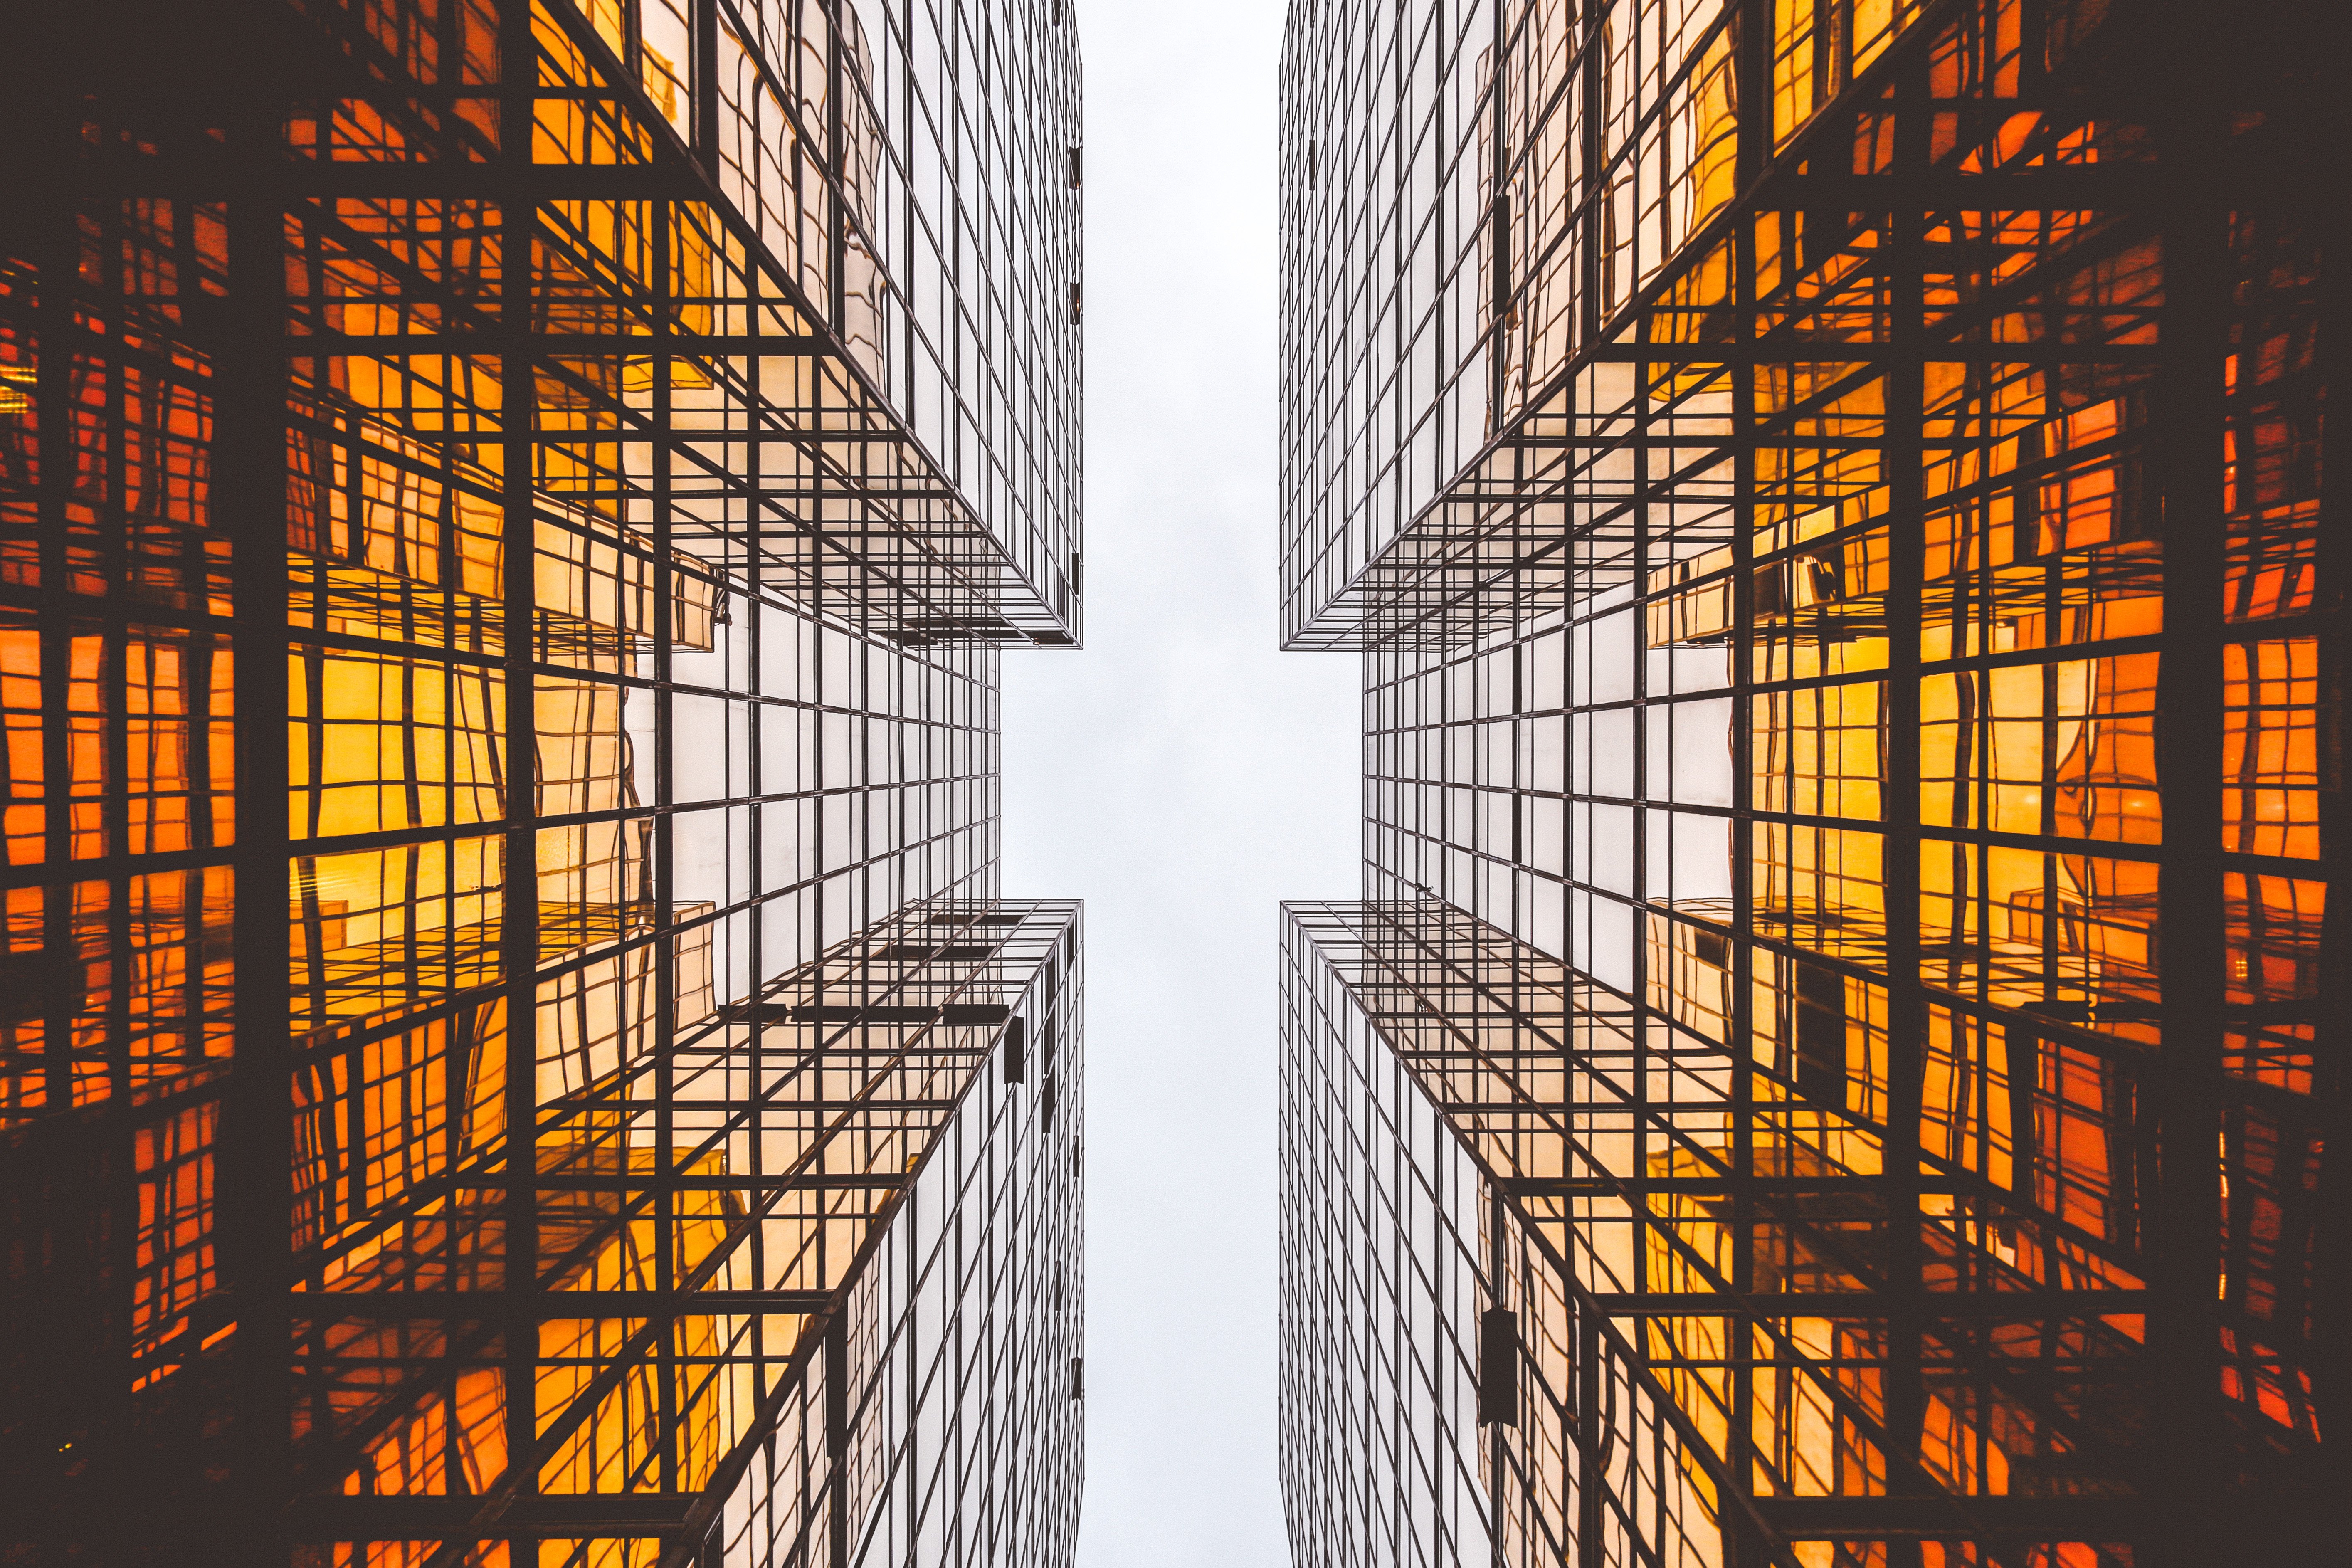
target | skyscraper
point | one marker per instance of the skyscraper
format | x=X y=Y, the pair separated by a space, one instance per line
x=597 y=1108
x=1836 y=1061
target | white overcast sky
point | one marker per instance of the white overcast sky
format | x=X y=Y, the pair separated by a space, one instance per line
x=1183 y=777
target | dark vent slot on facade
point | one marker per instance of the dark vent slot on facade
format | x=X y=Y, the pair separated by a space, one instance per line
x=1077 y=572
x=1076 y=313
x=1077 y=1377
x=1310 y=165
x=922 y=952
x=1077 y=155
x=1017 y=1051
x=1499 y=1367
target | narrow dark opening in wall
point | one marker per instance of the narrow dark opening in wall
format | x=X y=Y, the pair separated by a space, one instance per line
x=1499 y=1367
x=1016 y=1050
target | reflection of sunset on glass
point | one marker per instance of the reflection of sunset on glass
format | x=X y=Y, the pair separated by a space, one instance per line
x=594 y=453
x=1771 y=1008
x=1827 y=497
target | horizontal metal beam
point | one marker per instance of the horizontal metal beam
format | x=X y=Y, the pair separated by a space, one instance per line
x=543 y=1305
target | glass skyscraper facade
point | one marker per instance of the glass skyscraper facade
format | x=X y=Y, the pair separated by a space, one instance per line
x=1833 y=1065
x=598 y=1108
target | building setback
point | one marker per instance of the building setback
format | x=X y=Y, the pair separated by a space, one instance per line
x=598 y=1110
x=1836 y=1062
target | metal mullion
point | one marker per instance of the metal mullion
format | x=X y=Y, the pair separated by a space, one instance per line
x=702 y=89
x=2187 y=1213
x=1755 y=153
x=53 y=323
x=664 y=956
x=1905 y=1399
x=1645 y=1112
x=114 y=704
x=255 y=1146
x=831 y=173
x=518 y=197
x=754 y=708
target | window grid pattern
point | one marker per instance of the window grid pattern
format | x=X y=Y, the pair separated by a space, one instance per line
x=630 y=655
x=1383 y=1266
x=1885 y=711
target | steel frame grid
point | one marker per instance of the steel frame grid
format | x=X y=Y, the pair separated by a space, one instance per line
x=1390 y=1244
x=1449 y=528
x=862 y=1208
x=722 y=774
x=1573 y=760
x=1602 y=1201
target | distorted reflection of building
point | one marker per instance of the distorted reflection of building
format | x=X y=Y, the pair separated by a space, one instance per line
x=594 y=454
x=1835 y=1060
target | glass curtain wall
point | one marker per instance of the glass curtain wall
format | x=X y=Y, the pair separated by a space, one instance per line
x=593 y=455
x=1828 y=498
